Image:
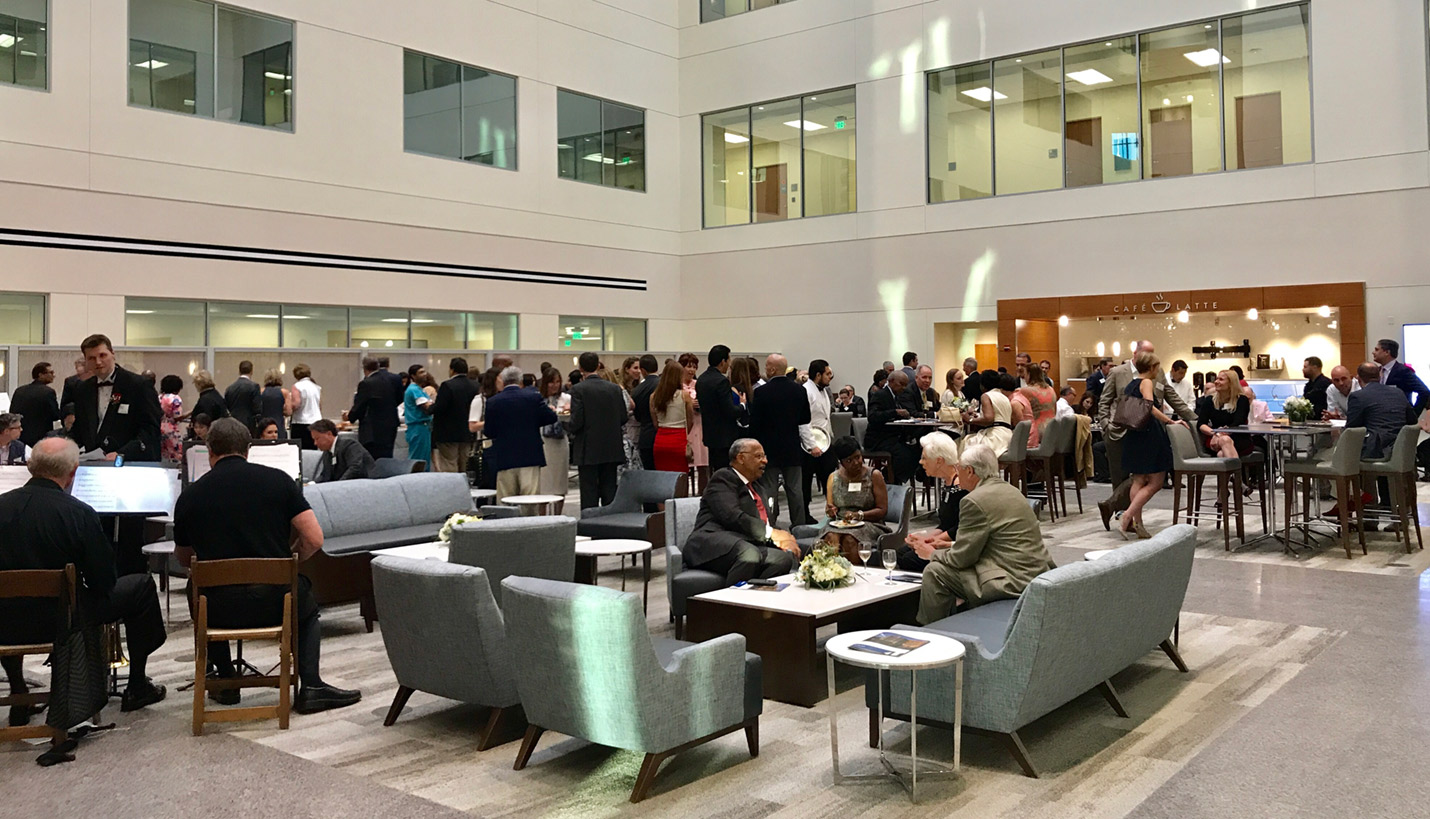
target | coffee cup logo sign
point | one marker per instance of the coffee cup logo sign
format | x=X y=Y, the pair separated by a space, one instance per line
x=1161 y=305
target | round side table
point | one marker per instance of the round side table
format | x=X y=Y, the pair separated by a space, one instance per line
x=588 y=550
x=537 y=504
x=159 y=554
x=940 y=652
x=481 y=496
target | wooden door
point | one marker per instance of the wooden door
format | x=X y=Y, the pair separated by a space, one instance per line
x=1170 y=141
x=1083 y=147
x=1258 y=130
x=770 y=192
x=987 y=355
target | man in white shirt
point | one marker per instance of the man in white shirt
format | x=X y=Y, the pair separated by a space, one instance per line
x=1338 y=396
x=1180 y=384
x=816 y=436
x=1065 y=409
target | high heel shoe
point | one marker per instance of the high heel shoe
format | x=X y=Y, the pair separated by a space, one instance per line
x=1141 y=530
x=1126 y=533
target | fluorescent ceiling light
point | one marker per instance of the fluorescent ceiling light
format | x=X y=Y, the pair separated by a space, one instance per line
x=262 y=315
x=6 y=40
x=735 y=138
x=273 y=75
x=1206 y=58
x=1089 y=76
x=805 y=124
x=598 y=158
x=984 y=94
x=151 y=64
x=139 y=312
x=295 y=318
x=423 y=321
x=395 y=321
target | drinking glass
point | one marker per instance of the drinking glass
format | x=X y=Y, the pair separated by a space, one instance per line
x=866 y=551
x=891 y=559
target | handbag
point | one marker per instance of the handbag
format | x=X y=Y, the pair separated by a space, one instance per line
x=1131 y=411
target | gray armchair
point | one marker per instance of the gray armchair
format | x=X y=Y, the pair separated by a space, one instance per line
x=542 y=546
x=681 y=583
x=900 y=510
x=592 y=663
x=625 y=517
x=445 y=635
x=392 y=467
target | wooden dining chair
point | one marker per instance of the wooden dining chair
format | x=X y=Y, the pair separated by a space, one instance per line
x=207 y=574
x=52 y=584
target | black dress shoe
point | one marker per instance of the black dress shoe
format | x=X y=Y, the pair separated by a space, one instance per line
x=315 y=698
x=140 y=694
x=226 y=696
x=20 y=714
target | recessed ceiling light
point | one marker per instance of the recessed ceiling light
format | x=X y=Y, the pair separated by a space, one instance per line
x=138 y=312
x=606 y=160
x=262 y=315
x=151 y=64
x=1206 y=58
x=1019 y=60
x=814 y=99
x=1166 y=101
x=805 y=124
x=1324 y=311
x=1089 y=76
x=296 y=317
x=1107 y=44
x=984 y=94
x=6 y=40
x=395 y=321
x=388 y=343
x=273 y=75
x=423 y=321
x=1208 y=25
x=362 y=344
x=735 y=138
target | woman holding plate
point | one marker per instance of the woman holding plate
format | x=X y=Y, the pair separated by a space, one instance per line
x=856 y=501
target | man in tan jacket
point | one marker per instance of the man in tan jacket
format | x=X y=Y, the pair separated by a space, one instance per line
x=1117 y=381
x=997 y=551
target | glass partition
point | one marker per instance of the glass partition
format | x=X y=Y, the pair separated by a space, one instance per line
x=492 y=331
x=164 y=323
x=255 y=69
x=241 y=324
x=311 y=326
x=1267 y=89
x=726 y=137
x=438 y=330
x=960 y=144
x=1181 y=117
x=1028 y=122
x=378 y=328
x=171 y=55
x=1101 y=134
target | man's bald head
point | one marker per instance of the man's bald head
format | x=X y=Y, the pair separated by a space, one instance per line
x=1146 y=347
x=775 y=365
x=898 y=380
x=1368 y=373
x=1341 y=378
x=55 y=459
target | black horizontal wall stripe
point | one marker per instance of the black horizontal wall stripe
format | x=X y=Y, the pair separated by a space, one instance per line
x=298 y=258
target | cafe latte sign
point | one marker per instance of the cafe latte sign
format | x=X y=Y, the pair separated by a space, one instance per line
x=1160 y=305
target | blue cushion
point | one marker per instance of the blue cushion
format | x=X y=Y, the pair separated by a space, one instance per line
x=381 y=539
x=619 y=525
x=989 y=623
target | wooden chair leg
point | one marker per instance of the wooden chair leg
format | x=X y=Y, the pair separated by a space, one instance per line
x=1020 y=753
x=503 y=725
x=201 y=664
x=1172 y=654
x=752 y=736
x=528 y=744
x=399 y=702
x=1110 y=694
x=646 y=778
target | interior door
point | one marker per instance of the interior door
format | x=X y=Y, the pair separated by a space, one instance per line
x=1083 y=149
x=1258 y=130
x=987 y=355
x=1170 y=141
x=770 y=191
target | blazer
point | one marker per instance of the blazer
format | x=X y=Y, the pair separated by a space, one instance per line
x=131 y=423
x=375 y=409
x=728 y=517
x=1382 y=410
x=1117 y=381
x=776 y=412
x=211 y=404
x=515 y=417
x=883 y=408
x=67 y=394
x=451 y=409
x=641 y=396
x=348 y=459
x=909 y=400
x=244 y=401
x=720 y=416
x=598 y=419
x=1405 y=379
x=38 y=408
x=999 y=548
x=856 y=407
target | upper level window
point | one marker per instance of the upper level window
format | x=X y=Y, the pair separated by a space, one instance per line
x=599 y=141
x=213 y=61
x=580 y=333
x=720 y=9
x=460 y=111
x=1198 y=98
x=781 y=160
x=22 y=318
x=24 y=43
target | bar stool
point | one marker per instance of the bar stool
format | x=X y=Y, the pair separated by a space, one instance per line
x=1067 y=451
x=54 y=584
x=1255 y=461
x=1398 y=468
x=1188 y=463
x=1045 y=459
x=1014 y=460
x=1343 y=467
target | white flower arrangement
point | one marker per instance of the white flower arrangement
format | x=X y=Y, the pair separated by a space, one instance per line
x=825 y=568
x=1298 y=410
x=445 y=535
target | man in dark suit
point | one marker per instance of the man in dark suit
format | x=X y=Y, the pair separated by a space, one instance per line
x=972 y=384
x=919 y=398
x=37 y=405
x=1097 y=379
x=911 y=365
x=719 y=413
x=1380 y=408
x=116 y=411
x=847 y=401
x=375 y=410
x=641 y=396
x=244 y=397
x=81 y=374
x=880 y=437
x=1316 y=385
x=598 y=418
x=451 y=434
x=343 y=458
x=1400 y=376
x=777 y=410
x=514 y=420
x=734 y=533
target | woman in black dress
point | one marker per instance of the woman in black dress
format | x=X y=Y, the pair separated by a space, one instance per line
x=1225 y=407
x=1146 y=452
x=275 y=401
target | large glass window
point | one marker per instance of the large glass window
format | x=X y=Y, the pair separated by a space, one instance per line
x=1101 y=136
x=779 y=160
x=22 y=318
x=174 y=65
x=378 y=327
x=960 y=143
x=460 y=111
x=310 y=326
x=600 y=142
x=1181 y=115
x=24 y=43
x=164 y=323
x=1028 y=122
x=491 y=331
x=438 y=330
x=242 y=324
x=1266 y=88
x=720 y=9
x=581 y=333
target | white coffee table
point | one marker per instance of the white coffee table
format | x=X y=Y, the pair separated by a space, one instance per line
x=940 y=652
x=439 y=550
x=537 y=503
x=588 y=551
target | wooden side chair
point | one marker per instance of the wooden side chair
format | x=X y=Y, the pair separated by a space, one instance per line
x=54 y=584
x=206 y=574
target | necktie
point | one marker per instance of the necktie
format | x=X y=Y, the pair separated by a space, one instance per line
x=759 y=504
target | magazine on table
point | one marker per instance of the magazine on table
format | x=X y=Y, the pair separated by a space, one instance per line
x=889 y=644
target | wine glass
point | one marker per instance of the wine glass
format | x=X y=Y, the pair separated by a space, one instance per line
x=891 y=559
x=866 y=551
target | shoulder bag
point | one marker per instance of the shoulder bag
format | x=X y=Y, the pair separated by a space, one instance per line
x=1131 y=411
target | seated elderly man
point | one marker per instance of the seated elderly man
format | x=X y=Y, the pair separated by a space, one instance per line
x=344 y=459
x=733 y=533
x=998 y=548
x=43 y=527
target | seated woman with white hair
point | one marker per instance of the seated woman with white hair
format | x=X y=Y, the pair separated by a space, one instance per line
x=939 y=460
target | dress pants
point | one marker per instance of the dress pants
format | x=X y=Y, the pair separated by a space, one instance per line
x=300 y=434
x=262 y=607
x=379 y=449
x=598 y=484
x=748 y=560
x=647 y=457
x=943 y=587
x=128 y=545
x=132 y=601
x=450 y=456
x=1121 y=482
x=817 y=472
x=523 y=480
x=793 y=479
x=719 y=455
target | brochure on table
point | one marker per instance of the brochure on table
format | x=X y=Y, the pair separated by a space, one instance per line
x=889 y=644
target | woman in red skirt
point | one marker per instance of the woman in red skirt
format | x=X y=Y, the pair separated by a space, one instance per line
x=674 y=414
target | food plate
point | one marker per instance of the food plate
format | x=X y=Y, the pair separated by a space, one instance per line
x=840 y=524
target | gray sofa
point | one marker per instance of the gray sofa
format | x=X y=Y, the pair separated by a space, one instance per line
x=359 y=517
x=445 y=635
x=541 y=546
x=1073 y=628
x=593 y=672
